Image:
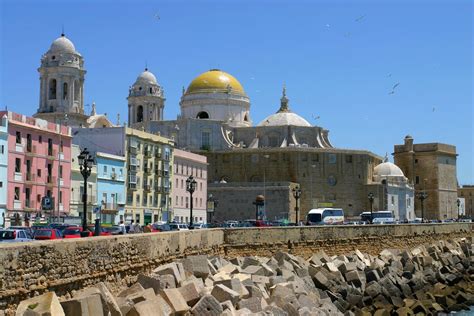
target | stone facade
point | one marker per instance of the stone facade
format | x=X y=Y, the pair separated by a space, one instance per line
x=431 y=167
x=187 y=164
x=39 y=165
x=3 y=167
x=236 y=200
x=467 y=192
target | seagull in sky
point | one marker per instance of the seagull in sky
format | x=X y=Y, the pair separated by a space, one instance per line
x=360 y=18
x=315 y=117
x=157 y=16
x=389 y=75
x=396 y=85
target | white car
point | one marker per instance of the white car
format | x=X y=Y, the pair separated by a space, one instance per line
x=178 y=226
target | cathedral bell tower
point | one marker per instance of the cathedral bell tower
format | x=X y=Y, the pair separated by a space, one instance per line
x=145 y=101
x=62 y=83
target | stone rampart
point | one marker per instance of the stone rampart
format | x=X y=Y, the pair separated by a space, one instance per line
x=29 y=269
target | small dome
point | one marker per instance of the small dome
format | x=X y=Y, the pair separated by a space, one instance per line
x=284 y=118
x=215 y=81
x=62 y=44
x=388 y=169
x=147 y=77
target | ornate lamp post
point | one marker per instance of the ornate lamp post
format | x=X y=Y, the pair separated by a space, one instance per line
x=371 y=201
x=458 y=202
x=422 y=196
x=297 y=195
x=85 y=164
x=191 y=187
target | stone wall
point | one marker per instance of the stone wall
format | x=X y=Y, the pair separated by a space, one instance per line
x=29 y=269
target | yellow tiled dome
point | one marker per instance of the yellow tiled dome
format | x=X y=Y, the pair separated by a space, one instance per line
x=215 y=81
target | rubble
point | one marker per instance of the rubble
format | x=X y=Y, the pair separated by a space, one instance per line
x=431 y=279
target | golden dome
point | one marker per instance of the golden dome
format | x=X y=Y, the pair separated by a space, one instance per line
x=215 y=81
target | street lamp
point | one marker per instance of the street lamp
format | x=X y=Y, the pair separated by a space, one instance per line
x=85 y=164
x=297 y=195
x=458 y=202
x=422 y=196
x=191 y=187
x=371 y=201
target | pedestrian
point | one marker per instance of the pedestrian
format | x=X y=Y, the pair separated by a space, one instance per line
x=123 y=230
x=136 y=228
x=132 y=227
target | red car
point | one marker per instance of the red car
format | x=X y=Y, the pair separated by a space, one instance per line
x=47 y=234
x=74 y=232
x=103 y=231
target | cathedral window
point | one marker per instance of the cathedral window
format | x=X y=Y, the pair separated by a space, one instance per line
x=246 y=118
x=151 y=90
x=140 y=114
x=52 y=89
x=205 y=140
x=76 y=90
x=65 y=91
x=202 y=115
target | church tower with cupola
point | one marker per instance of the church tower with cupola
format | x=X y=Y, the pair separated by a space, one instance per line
x=146 y=101
x=62 y=84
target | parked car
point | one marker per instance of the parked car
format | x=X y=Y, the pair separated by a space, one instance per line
x=178 y=226
x=29 y=231
x=74 y=232
x=199 y=226
x=103 y=231
x=14 y=235
x=114 y=230
x=47 y=234
x=161 y=227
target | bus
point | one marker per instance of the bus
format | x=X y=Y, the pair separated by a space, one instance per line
x=380 y=217
x=325 y=216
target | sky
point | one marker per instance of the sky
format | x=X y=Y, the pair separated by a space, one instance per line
x=339 y=61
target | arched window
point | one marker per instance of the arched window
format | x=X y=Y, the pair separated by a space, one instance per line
x=140 y=114
x=76 y=90
x=202 y=115
x=65 y=91
x=151 y=90
x=246 y=118
x=52 y=89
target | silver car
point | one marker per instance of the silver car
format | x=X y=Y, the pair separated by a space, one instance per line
x=14 y=235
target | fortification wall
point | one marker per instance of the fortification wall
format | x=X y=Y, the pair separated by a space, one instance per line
x=29 y=269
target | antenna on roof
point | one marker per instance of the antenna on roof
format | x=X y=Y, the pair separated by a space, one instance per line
x=146 y=65
x=62 y=29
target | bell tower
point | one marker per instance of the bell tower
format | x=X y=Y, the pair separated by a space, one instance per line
x=146 y=101
x=62 y=83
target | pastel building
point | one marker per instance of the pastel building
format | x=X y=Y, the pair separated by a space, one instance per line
x=186 y=164
x=111 y=173
x=3 y=167
x=77 y=188
x=39 y=165
x=149 y=162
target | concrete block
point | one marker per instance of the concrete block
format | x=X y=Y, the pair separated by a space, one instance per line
x=321 y=281
x=135 y=288
x=228 y=268
x=109 y=299
x=208 y=305
x=222 y=293
x=227 y=306
x=170 y=268
x=145 y=295
x=260 y=279
x=190 y=293
x=175 y=300
x=254 y=304
x=147 y=308
x=197 y=266
x=84 y=306
x=275 y=311
x=236 y=285
x=148 y=282
x=46 y=304
x=250 y=261
x=197 y=281
x=254 y=270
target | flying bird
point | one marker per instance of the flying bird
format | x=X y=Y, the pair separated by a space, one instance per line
x=391 y=92
x=396 y=85
x=389 y=75
x=360 y=18
x=434 y=109
x=315 y=117
x=157 y=16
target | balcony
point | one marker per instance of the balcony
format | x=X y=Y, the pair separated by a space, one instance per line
x=157 y=154
x=132 y=150
x=146 y=170
x=157 y=172
x=147 y=153
x=109 y=206
x=18 y=176
x=30 y=150
x=113 y=176
x=30 y=178
x=51 y=181
x=158 y=188
x=52 y=154
x=19 y=148
x=132 y=186
x=165 y=173
x=146 y=187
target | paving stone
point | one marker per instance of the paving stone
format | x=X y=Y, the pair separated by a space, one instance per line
x=208 y=305
x=45 y=304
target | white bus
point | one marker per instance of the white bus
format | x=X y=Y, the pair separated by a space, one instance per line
x=380 y=217
x=325 y=216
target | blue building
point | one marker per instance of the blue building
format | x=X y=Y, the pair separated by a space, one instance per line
x=111 y=174
x=3 y=167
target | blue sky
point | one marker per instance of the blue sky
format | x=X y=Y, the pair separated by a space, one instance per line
x=338 y=59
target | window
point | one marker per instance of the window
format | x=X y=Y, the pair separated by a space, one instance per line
x=18 y=138
x=202 y=115
x=1 y=184
x=17 y=165
x=417 y=180
x=105 y=169
x=61 y=146
x=52 y=89
x=38 y=172
x=38 y=198
x=186 y=205
x=60 y=197
x=393 y=200
x=65 y=91
x=17 y=194
x=60 y=172
x=2 y=149
x=332 y=159
x=137 y=199
x=416 y=160
x=28 y=142
x=182 y=201
x=205 y=140
x=137 y=218
x=177 y=181
x=140 y=114
x=50 y=147
x=176 y=201
x=40 y=139
x=348 y=158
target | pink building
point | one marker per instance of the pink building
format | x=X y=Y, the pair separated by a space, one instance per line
x=186 y=164
x=39 y=165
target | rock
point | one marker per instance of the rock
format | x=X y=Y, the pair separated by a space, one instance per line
x=147 y=308
x=145 y=295
x=275 y=311
x=149 y=282
x=196 y=265
x=222 y=293
x=254 y=304
x=190 y=293
x=174 y=298
x=109 y=299
x=84 y=306
x=46 y=304
x=208 y=305
x=321 y=281
x=135 y=288
x=171 y=268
